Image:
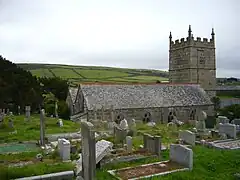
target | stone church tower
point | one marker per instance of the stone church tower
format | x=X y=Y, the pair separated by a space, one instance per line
x=193 y=61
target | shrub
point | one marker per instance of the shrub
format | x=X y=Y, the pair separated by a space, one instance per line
x=63 y=110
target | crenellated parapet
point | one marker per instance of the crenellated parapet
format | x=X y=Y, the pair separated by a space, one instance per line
x=191 y=41
x=197 y=42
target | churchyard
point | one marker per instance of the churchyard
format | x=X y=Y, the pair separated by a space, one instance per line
x=36 y=145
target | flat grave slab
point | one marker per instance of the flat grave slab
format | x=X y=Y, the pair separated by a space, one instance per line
x=147 y=170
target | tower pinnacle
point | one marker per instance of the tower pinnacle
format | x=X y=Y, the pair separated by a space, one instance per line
x=189 y=32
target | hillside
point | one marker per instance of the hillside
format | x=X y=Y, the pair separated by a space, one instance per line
x=78 y=74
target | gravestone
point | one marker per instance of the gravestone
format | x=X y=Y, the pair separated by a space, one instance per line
x=129 y=144
x=88 y=151
x=182 y=155
x=152 y=144
x=28 y=112
x=188 y=137
x=56 y=109
x=19 y=110
x=10 y=120
x=236 y=121
x=132 y=127
x=42 y=127
x=60 y=122
x=103 y=148
x=228 y=129
x=8 y=111
x=120 y=134
x=222 y=119
x=64 y=149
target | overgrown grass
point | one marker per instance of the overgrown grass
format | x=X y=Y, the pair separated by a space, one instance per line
x=27 y=131
x=207 y=164
x=40 y=168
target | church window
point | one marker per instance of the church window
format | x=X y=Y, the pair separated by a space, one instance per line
x=147 y=117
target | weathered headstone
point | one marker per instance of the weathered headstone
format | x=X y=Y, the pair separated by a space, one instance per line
x=129 y=144
x=124 y=124
x=228 y=129
x=222 y=119
x=60 y=122
x=19 y=110
x=28 y=112
x=120 y=134
x=182 y=155
x=64 y=149
x=236 y=121
x=88 y=151
x=56 y=109
x=42 y=127
x=8 y=111
x=188 y=137
x=10 y=120
x=152 y=144
x=103 y=148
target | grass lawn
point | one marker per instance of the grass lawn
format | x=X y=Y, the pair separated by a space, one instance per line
x=27 y=131
x=39 y=168
x=207 y=164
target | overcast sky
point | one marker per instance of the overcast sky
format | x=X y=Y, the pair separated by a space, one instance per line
x=123 y=33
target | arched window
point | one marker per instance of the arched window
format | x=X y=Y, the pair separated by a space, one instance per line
x=192 y=115
x=119 y=117
x=170 y=116
x=147 y=117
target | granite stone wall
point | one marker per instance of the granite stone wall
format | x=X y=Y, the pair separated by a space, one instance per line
x=158 y=115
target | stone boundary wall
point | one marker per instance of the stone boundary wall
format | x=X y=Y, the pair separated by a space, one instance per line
x=66 y=175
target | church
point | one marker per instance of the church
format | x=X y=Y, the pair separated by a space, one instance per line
x=192 y=84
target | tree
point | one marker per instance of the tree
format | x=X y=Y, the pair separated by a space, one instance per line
x=55 y=85
x=232 y=112
x=216 y=101
x=18 y=87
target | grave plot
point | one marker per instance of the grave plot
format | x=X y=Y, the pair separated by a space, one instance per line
x=181 y=159
x=148 y=170
x=225 y=144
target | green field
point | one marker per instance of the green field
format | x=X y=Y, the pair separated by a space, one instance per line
x=79 y=74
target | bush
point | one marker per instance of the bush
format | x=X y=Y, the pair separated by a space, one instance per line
x=49 y=109
x=63 y=110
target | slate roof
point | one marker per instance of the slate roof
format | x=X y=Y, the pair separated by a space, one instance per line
x=142 y=96
x=73 y=93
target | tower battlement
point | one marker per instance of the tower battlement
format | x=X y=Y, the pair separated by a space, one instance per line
x=198 y=41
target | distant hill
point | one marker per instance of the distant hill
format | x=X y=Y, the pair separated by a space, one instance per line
x=78 y=74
